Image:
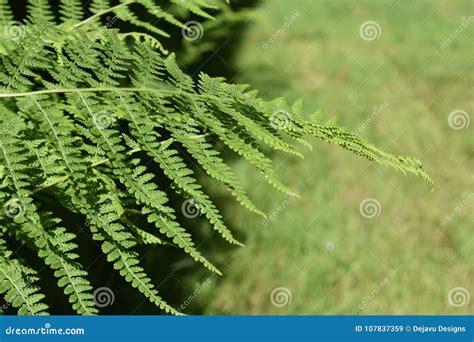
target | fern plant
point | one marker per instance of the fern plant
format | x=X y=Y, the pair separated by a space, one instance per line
x=82 y=103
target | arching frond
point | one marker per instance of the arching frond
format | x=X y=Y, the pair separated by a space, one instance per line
x=101 y=121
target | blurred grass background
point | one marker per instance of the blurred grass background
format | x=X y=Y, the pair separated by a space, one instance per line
x=320 y=248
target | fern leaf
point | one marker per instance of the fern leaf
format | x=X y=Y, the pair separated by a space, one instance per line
x=41 y=9
x=195 y=7
x=98 y=6
x=138 y=183
x=18 y=284
x=54 y=247
x=210 y=161
x=71 y=10
x=85 y=110
x=174 y=167
x=146 y=238
x=129 y=16
x=6 y=15
x=116 y=244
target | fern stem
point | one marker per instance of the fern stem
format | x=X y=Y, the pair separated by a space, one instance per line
x=101 y=89
x=53 y=129
x=18 y=291
x=10 y=168
x=101 y=13
x=100 y=162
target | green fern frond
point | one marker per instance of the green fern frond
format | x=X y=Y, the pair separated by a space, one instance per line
x=98 y=6
x=88 y=112
x=41 y=9
x=137 y=181
x=71 y=10
x=116 y=244
x=6 y=15
x=211 y=162
x=145 y=238
x=51 y=241
x=18 y=284
x=196 y=7
x=143 y=129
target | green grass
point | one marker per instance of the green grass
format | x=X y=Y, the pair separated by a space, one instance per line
x=321 y=58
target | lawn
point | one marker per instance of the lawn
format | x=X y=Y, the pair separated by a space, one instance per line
x=326 y=252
